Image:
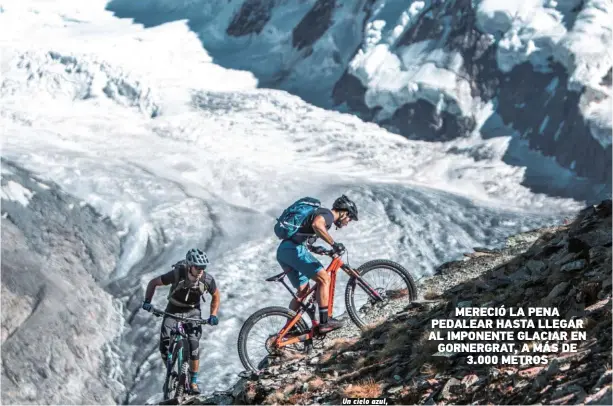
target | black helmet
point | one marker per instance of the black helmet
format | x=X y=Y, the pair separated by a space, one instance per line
x=344 y=203
x=197 y=258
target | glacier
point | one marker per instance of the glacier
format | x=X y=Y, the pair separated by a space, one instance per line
x=137 y=146
x=426 y=68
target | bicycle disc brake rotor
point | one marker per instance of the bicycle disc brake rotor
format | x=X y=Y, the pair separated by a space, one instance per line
x=374 y=304
x=382 y=292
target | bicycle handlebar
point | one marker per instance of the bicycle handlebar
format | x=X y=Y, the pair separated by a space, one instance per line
x=322 y=251
x=160 y=313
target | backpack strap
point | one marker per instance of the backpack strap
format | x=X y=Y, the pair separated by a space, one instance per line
x=202 y=285
x=177 y=274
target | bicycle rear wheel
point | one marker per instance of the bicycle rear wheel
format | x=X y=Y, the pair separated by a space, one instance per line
x=259 y=332
x=391 y=281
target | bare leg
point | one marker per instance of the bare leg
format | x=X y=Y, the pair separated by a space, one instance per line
x=323 y=287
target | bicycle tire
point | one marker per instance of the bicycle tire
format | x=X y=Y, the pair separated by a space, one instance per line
x=243 y=335
x=171 y=381
x=182 y=380
x=364 y=269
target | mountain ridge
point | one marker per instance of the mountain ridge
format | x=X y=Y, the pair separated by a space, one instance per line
x=429 y=69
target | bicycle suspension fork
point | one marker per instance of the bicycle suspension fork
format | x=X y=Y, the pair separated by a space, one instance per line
x=358 y=279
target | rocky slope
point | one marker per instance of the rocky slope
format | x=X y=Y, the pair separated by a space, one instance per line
x=58 y=323
x=428 y=69
x=567 y=267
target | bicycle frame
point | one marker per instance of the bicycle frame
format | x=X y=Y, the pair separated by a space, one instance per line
x=332 y=269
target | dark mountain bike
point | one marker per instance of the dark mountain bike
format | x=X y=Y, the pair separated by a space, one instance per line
x=178 y=375
x=370 y=297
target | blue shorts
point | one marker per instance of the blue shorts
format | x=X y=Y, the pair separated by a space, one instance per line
x=298 y=262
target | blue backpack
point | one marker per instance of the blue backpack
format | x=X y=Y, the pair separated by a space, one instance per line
x=290 y=221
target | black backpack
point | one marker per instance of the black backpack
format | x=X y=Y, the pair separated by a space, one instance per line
x=179 y=283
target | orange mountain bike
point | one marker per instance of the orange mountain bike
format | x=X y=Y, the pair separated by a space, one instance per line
x=370 y=296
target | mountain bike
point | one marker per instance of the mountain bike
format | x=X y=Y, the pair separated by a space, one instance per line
x=368 y=299
x=177 y=382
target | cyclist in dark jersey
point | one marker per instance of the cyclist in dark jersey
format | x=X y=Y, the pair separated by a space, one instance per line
x=189 y=284
x=295 y=257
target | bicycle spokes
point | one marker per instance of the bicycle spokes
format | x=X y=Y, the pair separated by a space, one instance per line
x=259 y=342
x=266 y=332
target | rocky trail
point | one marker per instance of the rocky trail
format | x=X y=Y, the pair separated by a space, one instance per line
x=566 y=267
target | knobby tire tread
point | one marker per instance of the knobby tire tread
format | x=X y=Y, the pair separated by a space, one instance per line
x=363 y=269
x=243 y=335
x=175 y=351
x=183 y=372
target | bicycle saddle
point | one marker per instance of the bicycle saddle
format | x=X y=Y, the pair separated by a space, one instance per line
x=277 y=277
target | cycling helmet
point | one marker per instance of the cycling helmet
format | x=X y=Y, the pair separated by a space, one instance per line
x=344 y=203
x=197 y=258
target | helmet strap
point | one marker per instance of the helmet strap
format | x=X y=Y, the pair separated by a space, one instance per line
x=337 y=222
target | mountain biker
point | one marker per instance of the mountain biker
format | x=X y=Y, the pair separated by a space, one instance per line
x=295 y=258
x=189 y=284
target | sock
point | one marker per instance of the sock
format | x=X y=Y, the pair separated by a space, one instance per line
x=323 y=315
x=194 y=377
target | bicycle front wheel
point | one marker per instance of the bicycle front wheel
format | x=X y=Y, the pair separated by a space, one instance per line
x=183 y=380
x=258 y=334
x=172 y=389
x=391 y=281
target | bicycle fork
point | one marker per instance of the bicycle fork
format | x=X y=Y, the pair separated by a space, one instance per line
x=183 y=367
x=356 y=278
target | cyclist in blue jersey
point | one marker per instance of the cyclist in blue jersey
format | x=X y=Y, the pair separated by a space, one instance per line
x=294 y=255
